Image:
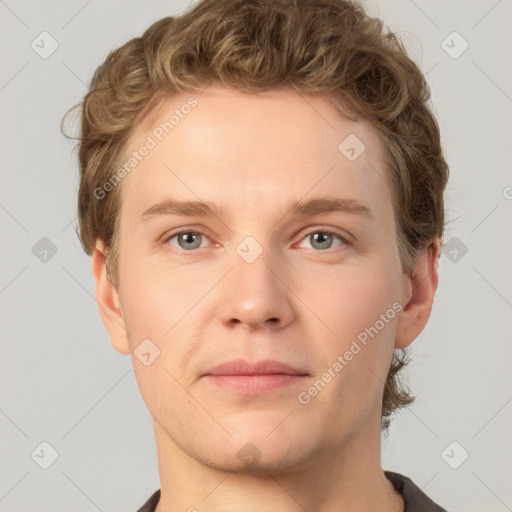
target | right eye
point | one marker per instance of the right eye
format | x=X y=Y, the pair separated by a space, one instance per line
x=187 y=240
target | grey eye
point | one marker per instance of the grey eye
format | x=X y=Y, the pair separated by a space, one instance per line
x=324 y=240
x=188 y=240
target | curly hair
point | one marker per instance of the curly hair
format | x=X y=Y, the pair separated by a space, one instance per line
x=330 y=48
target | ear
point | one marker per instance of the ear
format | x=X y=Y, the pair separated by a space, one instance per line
x=108 y=301
x=422 y=286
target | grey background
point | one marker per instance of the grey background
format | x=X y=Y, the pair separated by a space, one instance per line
x=62 y=382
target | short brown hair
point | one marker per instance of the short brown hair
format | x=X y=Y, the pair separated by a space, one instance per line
x=330 y=48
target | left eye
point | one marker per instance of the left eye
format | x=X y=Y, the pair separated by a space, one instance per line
x=323 y=239
x=319 y=239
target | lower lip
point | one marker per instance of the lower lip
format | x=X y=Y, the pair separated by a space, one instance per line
x=254 y=383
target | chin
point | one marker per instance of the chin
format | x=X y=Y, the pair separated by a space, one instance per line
x=251 y=460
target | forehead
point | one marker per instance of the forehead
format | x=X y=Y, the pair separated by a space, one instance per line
x=245 y=150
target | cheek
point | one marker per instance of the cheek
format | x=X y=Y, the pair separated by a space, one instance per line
x=161 y=308
x=360 y=357
x=358 y=309
x=154 y=300
x=349 y=299
x=165 y=399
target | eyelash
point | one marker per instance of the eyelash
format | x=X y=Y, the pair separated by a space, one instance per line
x=336 y=234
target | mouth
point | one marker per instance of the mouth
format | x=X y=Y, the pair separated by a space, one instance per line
x=254 y=378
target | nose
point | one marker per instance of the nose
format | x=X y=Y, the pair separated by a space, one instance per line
x=256 y=295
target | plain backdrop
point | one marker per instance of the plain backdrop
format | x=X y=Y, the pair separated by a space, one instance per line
x=62 y=383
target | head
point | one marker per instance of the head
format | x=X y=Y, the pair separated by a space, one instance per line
x=264 y=93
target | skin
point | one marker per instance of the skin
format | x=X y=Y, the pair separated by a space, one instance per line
x=252 y=155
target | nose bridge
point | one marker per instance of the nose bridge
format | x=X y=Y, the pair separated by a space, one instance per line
x=254 y=293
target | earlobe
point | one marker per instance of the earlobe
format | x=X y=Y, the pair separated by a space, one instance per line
x=108 y=301
x=422 y=286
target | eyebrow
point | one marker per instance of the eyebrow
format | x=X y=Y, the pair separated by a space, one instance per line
x=298 y=208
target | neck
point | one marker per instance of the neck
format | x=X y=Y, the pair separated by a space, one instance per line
x=349 y=478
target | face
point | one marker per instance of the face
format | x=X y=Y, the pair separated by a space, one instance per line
x=272 y=272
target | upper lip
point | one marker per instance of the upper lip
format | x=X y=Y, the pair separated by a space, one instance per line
x=265 y=367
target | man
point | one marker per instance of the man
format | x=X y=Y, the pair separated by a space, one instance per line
x=262 y=196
